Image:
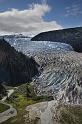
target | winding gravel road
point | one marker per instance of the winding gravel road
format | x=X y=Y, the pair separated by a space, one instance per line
x=11 y=112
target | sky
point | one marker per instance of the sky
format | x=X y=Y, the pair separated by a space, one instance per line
x=34 y=16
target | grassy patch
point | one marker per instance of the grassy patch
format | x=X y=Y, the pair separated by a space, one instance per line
x=24 y=96
x=71 y=114
x=3 y=107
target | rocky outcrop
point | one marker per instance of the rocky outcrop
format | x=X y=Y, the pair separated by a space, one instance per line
x=72 y=36
x=15 y=67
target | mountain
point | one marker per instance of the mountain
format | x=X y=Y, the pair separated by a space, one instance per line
x=72 y=36
x=15 y=67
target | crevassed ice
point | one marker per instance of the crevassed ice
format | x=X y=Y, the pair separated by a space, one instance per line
x=26 y=45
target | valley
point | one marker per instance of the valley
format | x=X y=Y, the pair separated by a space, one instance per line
x=49 y=89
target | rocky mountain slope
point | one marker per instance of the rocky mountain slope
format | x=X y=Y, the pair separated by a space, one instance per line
x=15 y=67
x=72 y=36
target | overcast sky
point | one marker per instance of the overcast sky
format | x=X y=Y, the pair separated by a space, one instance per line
x=34 y=16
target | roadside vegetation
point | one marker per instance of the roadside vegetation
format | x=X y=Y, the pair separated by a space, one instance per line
x=24 y=95
x=3 y=107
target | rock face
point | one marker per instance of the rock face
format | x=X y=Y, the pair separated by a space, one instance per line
x=15 y=67
x=72 y=36
x=61 y=76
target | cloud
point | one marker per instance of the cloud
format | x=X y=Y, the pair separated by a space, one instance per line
x=73 y=10
x=29 y=21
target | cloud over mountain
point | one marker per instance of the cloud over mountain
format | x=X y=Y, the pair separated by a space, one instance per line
x=29 y=21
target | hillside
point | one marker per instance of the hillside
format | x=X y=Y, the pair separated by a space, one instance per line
x=72 y=36
x=15 y=67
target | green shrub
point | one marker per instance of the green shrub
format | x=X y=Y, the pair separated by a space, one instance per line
x=3 y=107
